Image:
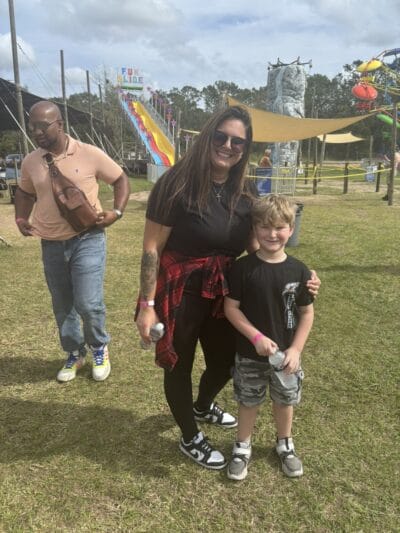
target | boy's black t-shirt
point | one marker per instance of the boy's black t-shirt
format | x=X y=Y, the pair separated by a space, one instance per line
x=212 y=233
x=269 y=294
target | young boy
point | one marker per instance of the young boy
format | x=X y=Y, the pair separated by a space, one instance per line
x=272 y=310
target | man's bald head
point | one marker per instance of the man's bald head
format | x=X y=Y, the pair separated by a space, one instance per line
x=46 y=126
x=45 y=111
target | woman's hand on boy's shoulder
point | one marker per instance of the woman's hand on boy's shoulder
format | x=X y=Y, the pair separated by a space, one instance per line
x=313 y=284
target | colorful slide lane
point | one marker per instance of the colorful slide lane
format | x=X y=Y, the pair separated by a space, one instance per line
x=158 y=145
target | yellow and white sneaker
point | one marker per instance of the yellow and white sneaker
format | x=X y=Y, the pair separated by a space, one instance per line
x=74 y=362
x=101 y=363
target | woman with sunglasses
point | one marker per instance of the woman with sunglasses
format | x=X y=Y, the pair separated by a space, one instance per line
x=197 y=223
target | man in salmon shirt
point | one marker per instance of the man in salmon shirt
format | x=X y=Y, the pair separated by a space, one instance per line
x=74 y=263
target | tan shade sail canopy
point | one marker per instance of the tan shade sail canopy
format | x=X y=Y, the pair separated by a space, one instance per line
x=340 y=138
x=271 y=127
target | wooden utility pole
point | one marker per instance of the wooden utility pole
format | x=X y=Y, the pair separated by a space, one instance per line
x=64 y=96
x=20 y=106
x=371 y=144
x=346 y=178
x=90 y=103
x=312 y=116
x=393 y=169
x=102 y=106
x=322 y=156
x=316 y=145
x=178 y=137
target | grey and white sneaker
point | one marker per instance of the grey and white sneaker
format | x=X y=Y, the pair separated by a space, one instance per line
x=291 y=464
x=237 y=467
x=200 y=450
x=215 y=415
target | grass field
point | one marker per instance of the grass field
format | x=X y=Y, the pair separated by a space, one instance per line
x=103 y=457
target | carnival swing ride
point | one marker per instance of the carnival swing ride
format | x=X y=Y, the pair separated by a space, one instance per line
x=379 y=74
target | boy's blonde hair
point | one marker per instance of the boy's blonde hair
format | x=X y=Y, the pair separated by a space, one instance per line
x=274 y=209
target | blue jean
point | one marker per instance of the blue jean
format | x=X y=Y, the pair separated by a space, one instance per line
x=74 y=271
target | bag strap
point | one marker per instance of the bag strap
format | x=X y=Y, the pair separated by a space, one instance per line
x=58 y=179
x=54 y=171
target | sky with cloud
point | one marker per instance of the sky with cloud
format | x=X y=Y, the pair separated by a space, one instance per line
x=189 y=42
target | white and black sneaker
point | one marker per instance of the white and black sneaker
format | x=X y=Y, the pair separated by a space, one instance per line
x=215 y=415
x=237 y=467
x=291 y=464
x=200 y=450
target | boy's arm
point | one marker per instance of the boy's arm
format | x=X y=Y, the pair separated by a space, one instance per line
x=293 y=353
x=263 y=345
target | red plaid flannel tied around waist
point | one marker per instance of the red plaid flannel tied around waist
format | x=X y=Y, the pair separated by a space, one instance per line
x=173 y=274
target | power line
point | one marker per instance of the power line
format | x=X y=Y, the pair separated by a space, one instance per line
x=37 y=71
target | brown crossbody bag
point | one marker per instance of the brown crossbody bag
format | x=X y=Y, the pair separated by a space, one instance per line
x=71 y=201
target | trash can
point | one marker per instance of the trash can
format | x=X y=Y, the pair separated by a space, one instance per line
x=294 y=239
x=263 y=180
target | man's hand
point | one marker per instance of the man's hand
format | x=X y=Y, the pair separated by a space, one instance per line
x=25 y=227
x=106 y=218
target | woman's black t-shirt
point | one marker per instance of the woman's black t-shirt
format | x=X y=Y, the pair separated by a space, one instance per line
x=214 y=232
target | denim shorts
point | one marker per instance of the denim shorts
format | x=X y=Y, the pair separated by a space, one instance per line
x=251 y=378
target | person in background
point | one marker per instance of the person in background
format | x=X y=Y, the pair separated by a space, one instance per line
x=397 y=161
x=197 y=222
x=73 y=263
x=264 y=171
x=265 y=161
x=271 y=309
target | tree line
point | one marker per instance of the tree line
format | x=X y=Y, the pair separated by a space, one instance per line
x=324 y=98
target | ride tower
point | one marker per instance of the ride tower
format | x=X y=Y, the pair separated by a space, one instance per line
x=286 y=86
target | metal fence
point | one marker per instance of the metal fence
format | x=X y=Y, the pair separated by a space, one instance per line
x=155 y=171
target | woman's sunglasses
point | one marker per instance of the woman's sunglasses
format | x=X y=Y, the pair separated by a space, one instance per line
x=237 y=143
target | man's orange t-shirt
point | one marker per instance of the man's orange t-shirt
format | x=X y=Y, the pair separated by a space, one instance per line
x=82 y=163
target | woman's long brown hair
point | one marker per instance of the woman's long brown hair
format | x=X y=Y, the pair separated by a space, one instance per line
x=190 y=179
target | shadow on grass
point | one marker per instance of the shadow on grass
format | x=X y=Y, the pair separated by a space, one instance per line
x=114 y=438
x=361 y=269
x=18 y=370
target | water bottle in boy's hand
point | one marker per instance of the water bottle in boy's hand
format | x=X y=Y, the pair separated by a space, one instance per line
x=276 y=360
x=156 y=332
x=289 y=381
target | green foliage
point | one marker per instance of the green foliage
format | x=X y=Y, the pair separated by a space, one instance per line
x=332 y=98
x=10 y=143
x=187 y=100
x=197 y=105
x=324 y=97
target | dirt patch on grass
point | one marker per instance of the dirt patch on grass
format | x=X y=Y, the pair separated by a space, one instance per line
x=140 y=196
x=7 y=217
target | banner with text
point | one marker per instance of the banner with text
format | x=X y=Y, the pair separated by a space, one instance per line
x=130 y=78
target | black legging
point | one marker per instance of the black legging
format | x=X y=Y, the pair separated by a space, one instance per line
x=194 y=322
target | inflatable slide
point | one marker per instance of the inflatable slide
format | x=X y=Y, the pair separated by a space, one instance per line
x=157 y=143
